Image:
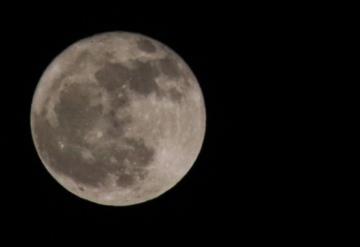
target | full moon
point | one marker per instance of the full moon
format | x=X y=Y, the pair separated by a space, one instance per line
x=118 y=118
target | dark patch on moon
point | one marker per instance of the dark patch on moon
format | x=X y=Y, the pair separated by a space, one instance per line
x=168 y=66
x=112 y=76
x=139 y=156
x=146 y=45
x=116 y=126
x=125 y=179
x=68 y=160
x=122 y=101
x=175 y=94
x=141 y=78
x=76 y=117
x=73 y=111
x=74 y=67
x=139 y=153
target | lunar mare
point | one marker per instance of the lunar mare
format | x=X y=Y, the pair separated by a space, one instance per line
x=118 y=118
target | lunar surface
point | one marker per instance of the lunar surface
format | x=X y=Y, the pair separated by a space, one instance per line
x=118 y=118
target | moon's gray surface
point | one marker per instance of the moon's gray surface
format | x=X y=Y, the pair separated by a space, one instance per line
x=118 y=118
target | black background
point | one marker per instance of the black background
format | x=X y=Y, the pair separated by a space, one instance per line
x=244 y=179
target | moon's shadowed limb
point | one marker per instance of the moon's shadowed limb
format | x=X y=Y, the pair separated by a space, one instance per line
x=118 y=128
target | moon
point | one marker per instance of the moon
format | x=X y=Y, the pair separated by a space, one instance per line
x=118 y=118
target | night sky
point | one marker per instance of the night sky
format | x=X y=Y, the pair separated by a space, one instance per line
x=242 y=56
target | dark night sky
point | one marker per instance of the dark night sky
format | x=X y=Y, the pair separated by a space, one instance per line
x=241 y=56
